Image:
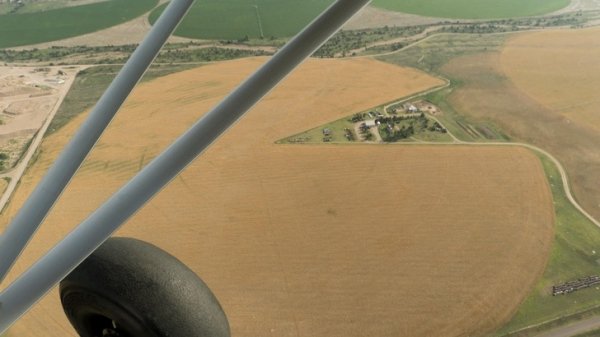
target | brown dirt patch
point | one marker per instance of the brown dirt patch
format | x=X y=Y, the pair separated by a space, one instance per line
x=27 y=114
x=3 y=184
x=27 y=97
x=373 y=17
x=292 y=239
x=580 y=5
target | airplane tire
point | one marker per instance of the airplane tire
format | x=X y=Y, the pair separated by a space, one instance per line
x=130 y=288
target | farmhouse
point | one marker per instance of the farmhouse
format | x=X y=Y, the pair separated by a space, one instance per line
x=411 y=108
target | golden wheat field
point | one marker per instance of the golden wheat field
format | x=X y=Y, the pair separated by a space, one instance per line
x=540 y=89
x=559 y=69
x=300 y=240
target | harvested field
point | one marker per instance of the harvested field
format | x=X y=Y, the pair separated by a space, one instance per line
x=566 y=85
x=291 y=238
x=571 y=87
x=546 y=101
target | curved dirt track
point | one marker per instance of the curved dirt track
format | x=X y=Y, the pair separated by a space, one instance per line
x=293 y=239
x=548 y=102
x=456 y=141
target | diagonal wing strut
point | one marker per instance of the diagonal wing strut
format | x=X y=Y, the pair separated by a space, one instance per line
x=32 y=285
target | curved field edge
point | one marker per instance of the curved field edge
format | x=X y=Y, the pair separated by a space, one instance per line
x=574 y=254
x=91 y=82
x=575 y=250
x=235 y=19
x=247 y=186
x=473 y=9
x=32 y=28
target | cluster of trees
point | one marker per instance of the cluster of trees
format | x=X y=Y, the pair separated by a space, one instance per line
x=15 y=7
x=56 y=53
x=486 y=28
x=348 y=134
x=568 y=19
x=478 y=29
x=358 y=117
x=509 y=25
x=266 y=41
x=3 y=158
x=206 y=54
x=365 y=132
x=390 y=134
x=347 y=40
x=417 y=123
x=180 y=52
x=397 y=119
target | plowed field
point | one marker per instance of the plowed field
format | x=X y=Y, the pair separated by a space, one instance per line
x=317 y=240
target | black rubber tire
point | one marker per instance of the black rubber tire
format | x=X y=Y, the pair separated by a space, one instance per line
x=130 y=288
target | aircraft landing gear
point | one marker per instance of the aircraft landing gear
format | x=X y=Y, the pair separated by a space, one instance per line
x=130 y=288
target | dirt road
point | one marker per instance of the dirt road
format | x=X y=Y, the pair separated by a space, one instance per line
x=574 y=329
x=559 y=166
x=16 y=173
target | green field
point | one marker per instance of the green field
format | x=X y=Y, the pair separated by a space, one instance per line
x=473 y=9
x=236 y=19
x=31 y=28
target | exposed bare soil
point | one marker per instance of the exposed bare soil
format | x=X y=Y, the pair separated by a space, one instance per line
x=316 y=240
x=27 y=96
x=580 y=5
x=372 y=17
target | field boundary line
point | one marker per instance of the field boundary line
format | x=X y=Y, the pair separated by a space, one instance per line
x=457 y=141
x=560 y=168
x=434 y=34
x=16 y=173
x=549 y=321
